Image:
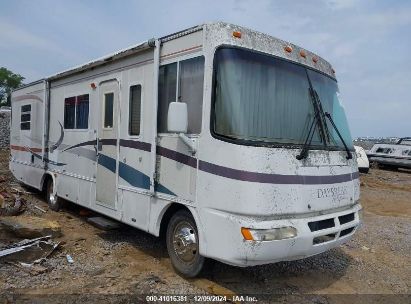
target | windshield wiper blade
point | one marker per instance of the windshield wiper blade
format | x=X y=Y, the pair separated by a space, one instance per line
x=307 y=142
x=324 y=123
x=317 y=119
x=328 y=115
x=318 y=110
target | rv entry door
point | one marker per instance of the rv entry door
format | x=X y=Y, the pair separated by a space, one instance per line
x=107 y=144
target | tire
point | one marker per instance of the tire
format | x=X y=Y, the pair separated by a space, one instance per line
x=52 y=199
x=183 y=244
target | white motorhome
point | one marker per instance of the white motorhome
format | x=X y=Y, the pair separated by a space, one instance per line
x=231 y=143
x=396 y=155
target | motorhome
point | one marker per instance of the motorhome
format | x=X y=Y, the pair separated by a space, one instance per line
x=362 y=159
x=232 y=144
x=395 y=156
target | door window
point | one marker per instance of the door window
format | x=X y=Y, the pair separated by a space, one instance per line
x=134 y=110
x=108 y=110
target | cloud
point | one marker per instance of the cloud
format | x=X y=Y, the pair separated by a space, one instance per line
x=341 y=4
x=13 y=37
x=17 y=37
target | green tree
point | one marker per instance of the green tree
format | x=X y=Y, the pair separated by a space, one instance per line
x=8 y=82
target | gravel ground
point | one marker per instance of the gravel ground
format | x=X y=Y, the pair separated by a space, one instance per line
x=121 y=265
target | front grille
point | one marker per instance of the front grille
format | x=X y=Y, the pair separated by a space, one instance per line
x=346 y=218
x=346 y=231
x=320 y=225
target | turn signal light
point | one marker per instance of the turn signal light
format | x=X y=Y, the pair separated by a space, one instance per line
x=246 y=234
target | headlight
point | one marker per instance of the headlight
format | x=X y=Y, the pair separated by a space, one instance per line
x=268 y=234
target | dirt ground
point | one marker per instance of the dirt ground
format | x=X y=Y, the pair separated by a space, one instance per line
x=126 y=264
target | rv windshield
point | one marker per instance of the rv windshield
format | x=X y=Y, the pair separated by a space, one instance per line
x=261 y=99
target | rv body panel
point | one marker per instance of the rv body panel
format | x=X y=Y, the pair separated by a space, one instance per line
x=27 y=123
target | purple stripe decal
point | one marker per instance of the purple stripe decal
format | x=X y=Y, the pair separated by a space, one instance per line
x=273 y=178
x=86 y=143
x=135 y=145
x=109 y=141
x=177 y=156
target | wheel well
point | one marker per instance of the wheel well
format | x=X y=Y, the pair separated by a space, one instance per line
x=46 y=179
x=173 y=208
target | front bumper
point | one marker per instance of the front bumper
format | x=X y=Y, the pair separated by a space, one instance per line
x=225 y=243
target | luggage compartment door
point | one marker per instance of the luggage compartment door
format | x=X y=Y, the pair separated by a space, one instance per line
x=107 y=145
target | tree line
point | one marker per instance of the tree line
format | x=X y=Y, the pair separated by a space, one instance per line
x=8 y=82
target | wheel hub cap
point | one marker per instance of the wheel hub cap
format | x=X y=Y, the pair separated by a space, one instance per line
x=185 y=242
x=52 y=198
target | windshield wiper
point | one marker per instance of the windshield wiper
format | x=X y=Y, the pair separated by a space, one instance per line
x=304 y=150
x=320 y=107
x=328 y=115
x=318 y=118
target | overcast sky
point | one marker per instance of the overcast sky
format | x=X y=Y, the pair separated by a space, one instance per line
x=368 y=42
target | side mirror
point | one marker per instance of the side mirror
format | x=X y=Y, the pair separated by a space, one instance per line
x=177 y=117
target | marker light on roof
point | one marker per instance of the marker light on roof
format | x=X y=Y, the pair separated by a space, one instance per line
x=288 y=49
x=302 y=54
x=315 y=59
x=237 y=34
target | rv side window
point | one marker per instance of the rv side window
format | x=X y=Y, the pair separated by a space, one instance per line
x=82 y=111
x=134 y=110
x=191 y=77
x=76 y=112
x=167 y=86
x=108 y=110
x=188 y=89
x=25 y=118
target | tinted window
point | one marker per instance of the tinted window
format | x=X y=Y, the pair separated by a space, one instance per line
x=76 y=112
x=262 y=99
x=82 y=109
x=191 y=76
x=26 y=108
x=69 y=112
x=25 y=117
x=108 y=110
x=135 y=110
x=167 y=86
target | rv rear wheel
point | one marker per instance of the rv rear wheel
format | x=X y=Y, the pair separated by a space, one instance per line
x=183 y=244
x=52 y=199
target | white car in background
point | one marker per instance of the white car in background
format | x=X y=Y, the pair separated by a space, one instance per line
x=362 y=160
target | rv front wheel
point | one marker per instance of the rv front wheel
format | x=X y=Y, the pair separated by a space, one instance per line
x=52 y=200
x=183 y=244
